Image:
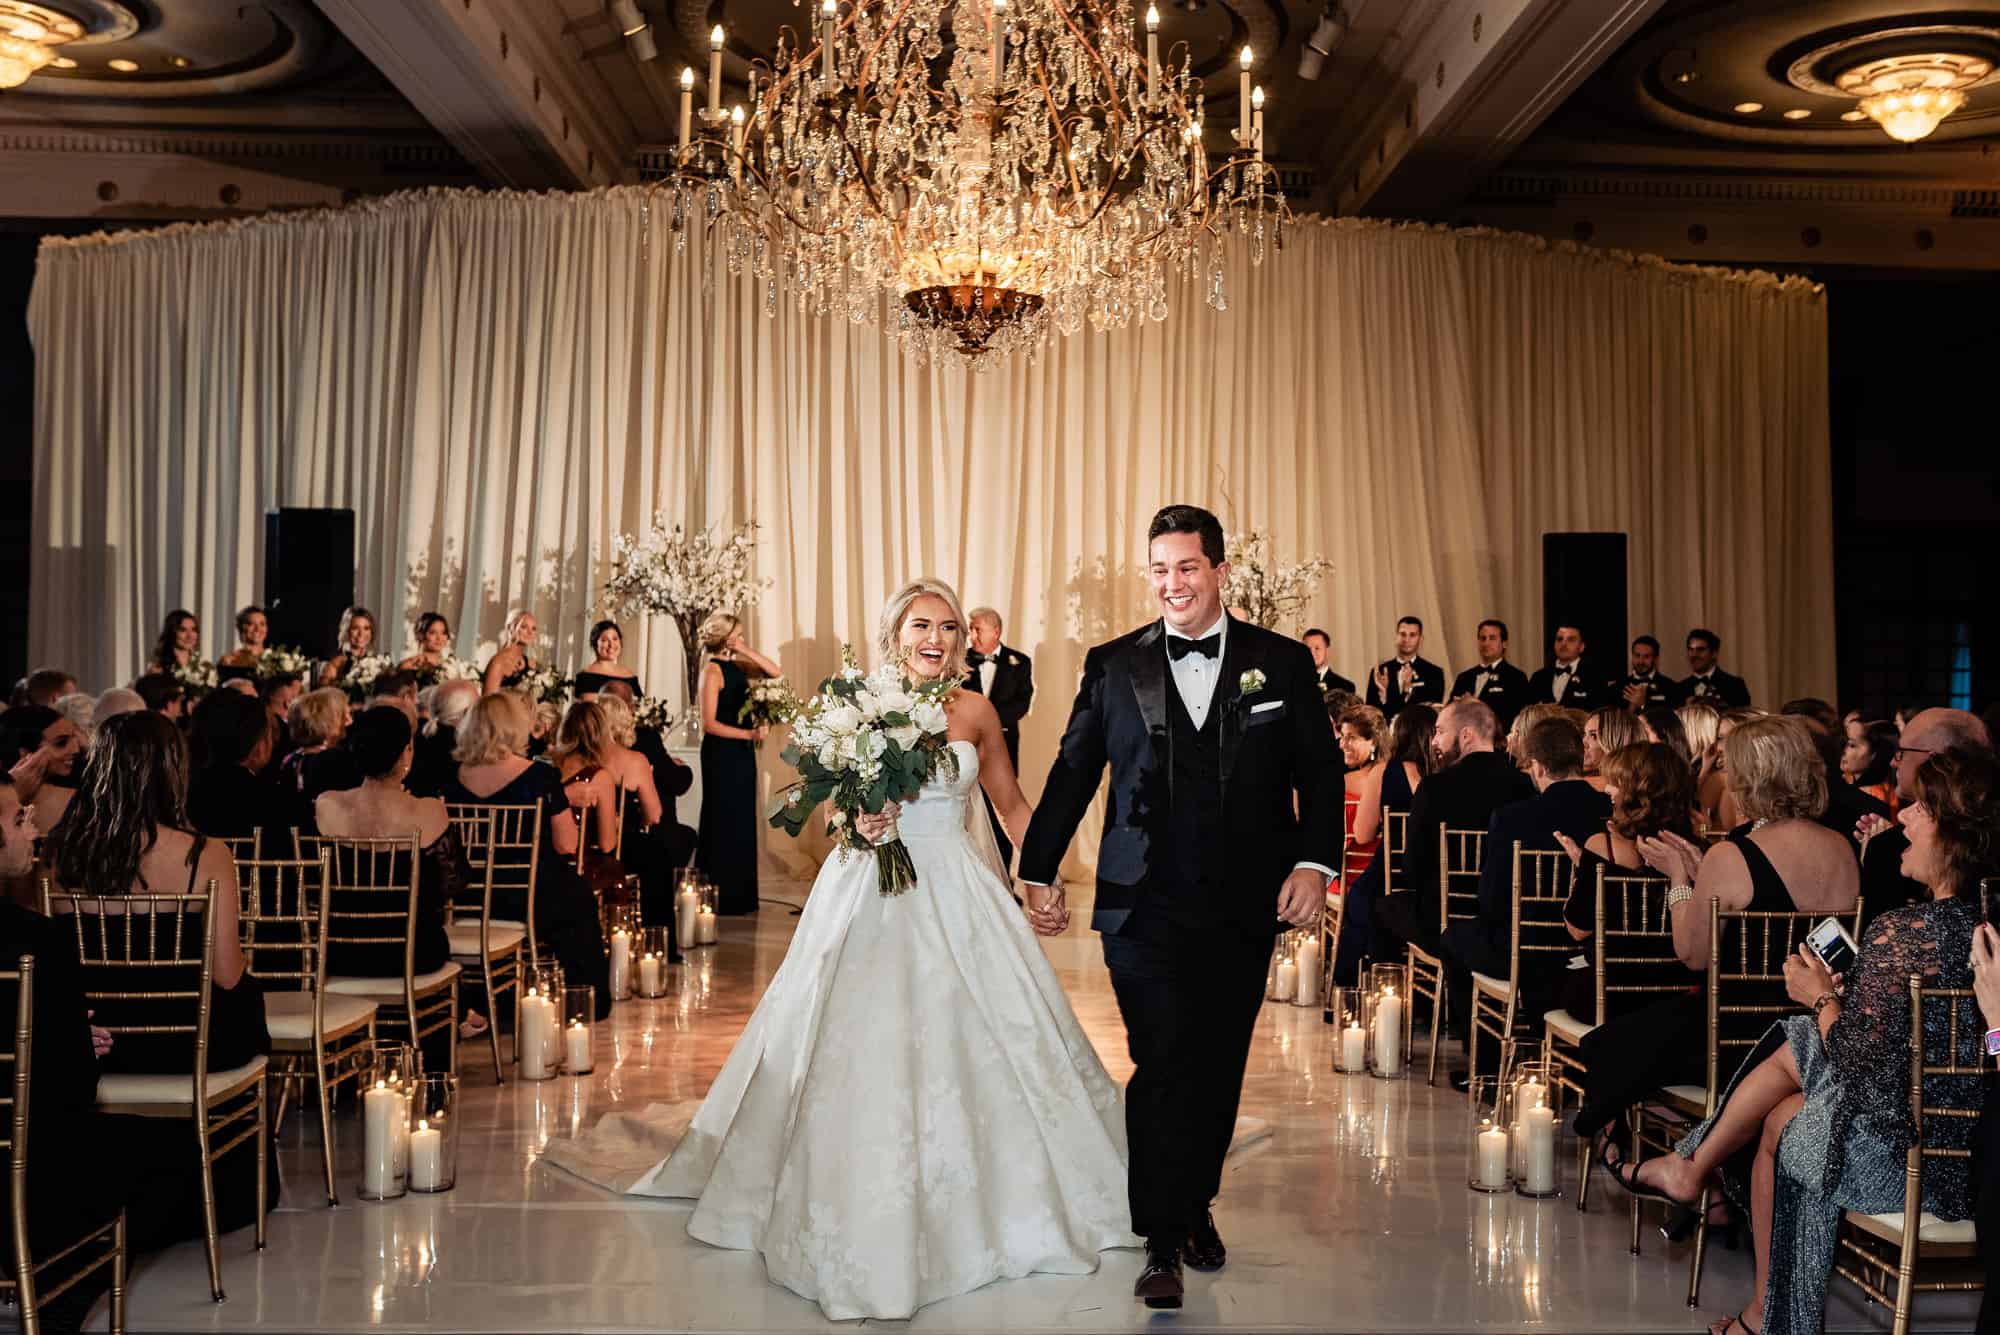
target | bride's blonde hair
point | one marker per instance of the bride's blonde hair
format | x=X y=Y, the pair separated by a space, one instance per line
x=898 y=610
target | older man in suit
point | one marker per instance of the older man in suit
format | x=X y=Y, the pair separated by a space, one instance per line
x=1007 y=678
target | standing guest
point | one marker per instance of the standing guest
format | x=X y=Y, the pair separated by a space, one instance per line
x=433 y=765
x=433 y=643
x=1388 y=788
x=44 y=752
x=1006 y=677
x=179 y=643
x=354 y=639
x=44 y=686
x=1884 y=884
x=118 y=700
x=1471 y=781
x=729 y=817
x=1567 y=680
x=1320 y=644
x=1868 y=761
x=317 y=764
x=1406 y=678
x=229 y=742
x=1606 y=730
x=513 y=661
x=1495 y=682
x=607 y=641
x=494 y=770
x=163 y=694
x=1706 y=681
x=1825 y=1098
x=1645 y=687
x=252 y=628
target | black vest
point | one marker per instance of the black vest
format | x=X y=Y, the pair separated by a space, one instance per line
x=1192 y=879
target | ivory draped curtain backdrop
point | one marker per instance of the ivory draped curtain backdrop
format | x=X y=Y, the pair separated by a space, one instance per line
x=498 y=383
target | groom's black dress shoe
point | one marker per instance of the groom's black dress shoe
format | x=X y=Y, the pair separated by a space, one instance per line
x=1160 y=1282
x=1204 y=1249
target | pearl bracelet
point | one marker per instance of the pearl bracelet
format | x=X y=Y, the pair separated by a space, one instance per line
x=1678 y=895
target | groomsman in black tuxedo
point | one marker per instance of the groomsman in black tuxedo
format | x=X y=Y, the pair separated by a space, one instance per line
x=1406 y=679
x=1007 y=678
x=1567 y=680
x=1495 y=682
x=1645 y=686
x=1321 y=645
x=1706 y=681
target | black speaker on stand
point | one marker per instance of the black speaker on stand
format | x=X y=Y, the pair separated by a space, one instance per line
x=308 y=575
x=1583 y=585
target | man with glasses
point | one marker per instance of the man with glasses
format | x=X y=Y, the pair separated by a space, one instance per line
x=1883 y=885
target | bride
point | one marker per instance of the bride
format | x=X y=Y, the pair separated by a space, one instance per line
x=912 y=1111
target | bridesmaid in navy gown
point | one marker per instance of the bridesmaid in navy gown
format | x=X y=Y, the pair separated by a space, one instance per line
x=727 y=851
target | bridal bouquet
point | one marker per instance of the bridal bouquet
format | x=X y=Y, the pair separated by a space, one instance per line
x=452 y=668
x=653 y=711
x=197 y=678
x=859 y=744
x=359 y=679
x=544 y=685
x=281 y=661
x=770 y=702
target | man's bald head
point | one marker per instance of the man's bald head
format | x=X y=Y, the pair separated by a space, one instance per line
x=1931 y=731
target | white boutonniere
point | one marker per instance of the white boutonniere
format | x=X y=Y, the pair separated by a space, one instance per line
x=1250 y=682
x=1013 y=660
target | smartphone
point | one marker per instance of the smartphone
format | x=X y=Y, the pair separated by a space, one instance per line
x=1989 y=896
x=1829 y=940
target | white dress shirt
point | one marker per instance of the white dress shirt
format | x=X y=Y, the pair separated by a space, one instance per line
x=1565 y=674
x=986 y=670
x=1196 y=675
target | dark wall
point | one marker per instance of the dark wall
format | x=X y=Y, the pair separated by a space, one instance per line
x=17 y=387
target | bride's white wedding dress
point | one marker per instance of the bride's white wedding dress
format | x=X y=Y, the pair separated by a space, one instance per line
x=913 y=1110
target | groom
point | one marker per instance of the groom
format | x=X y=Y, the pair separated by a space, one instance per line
x=1211 y=727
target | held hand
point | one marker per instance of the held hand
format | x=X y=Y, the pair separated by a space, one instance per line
x=1986 y=972
x=878 y=828
x=1048 y=913
x=1868 y=827
x=1807 y=979
x=1570 y=847
x=1302 y=899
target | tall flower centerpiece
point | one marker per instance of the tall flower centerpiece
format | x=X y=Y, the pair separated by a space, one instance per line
x=666 y=570
x=1264 y=589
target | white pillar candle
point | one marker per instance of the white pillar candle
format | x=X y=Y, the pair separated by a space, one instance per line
x=1353 y=1047
x=687 y=105
x=1243 y=97
x=402 y=1129
x=1288 y=980
x=426 y=1158
x=380 y=1107
x=704 y=930
x=576 y=1048
x=687 y=913
x=621 y=961
x=1389 y=1033
x=649 y=976
x=1538 y=1128
x=535 y=1040
x=1493 y=1158
x=715 y=73
x=1309 y=962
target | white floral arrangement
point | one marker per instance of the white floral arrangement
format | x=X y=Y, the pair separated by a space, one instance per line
x=454 y=668
x=362 y=672
x=769 y=702
x=196 y=676
x=282 y=660
x=544 y=685
x=653 y=711
x=1264 y=590
x=688 y=576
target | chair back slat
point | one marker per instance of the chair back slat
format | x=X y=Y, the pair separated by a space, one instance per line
x=1542 y=879
x=1352 y=862
x=1461 y=856
x=244 y=847
x=371 y=891
x=512 y=844
x=120 y=953
x=1396 y=851
x=283 y=919
x=1635 y=939
x=18 y=1060
x=1946 y=1076
x=1747 y=950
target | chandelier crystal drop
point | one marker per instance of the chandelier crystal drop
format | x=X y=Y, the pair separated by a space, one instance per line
x=989 y=171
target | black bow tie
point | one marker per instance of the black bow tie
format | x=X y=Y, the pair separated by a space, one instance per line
x=1180 y=646
x=1564 y=672
x=974 y=659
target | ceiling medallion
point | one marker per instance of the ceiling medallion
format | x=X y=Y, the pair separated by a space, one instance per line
x=29 y=36
x=1044 y=169
x=1909 y=95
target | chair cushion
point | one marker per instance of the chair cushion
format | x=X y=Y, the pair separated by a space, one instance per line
x=289 y=1015
x=115 y=1091
x=1566 y=1026
x=1499 y=987
x=1930 y=1228
x=465 y=939
x=1694 y=1096
x=391 y=988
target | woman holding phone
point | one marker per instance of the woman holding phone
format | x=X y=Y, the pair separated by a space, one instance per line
x=1824 y=1098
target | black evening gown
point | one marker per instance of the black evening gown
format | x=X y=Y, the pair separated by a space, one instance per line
x=591 y=683
x=727 y=847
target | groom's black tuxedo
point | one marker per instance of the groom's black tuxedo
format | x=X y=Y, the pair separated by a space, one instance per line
x=1202 y=826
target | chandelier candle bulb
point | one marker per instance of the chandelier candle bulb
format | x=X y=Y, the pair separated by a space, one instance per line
x=1153 y=54
x=999 y=43
x=715 y=74
x=1243 y=97
x=687 y=104
x=829 y=12
x=1257 y=121
x=736 y=130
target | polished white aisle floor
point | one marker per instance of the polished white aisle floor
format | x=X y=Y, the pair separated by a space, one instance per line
x=1353 y=1216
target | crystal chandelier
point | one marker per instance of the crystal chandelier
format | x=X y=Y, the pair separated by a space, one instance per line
x=995 y=169
x=1909 y=96
x=29 y=34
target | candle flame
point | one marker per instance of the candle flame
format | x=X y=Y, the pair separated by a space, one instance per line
x=423 y=1125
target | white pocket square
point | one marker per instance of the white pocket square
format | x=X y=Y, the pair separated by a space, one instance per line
x=1268 y=704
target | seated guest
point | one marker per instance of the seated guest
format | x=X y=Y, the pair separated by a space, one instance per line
x=1385 y=788
x=1361 y=732
x=607 y=641
x=1783 y=861
x=1645 y=687
x=1706 y=681
x=1564 y=804
x=252 y=627
x=1568 y=680
x=1604 y=731
x=118 y=700
x=1493 y=681
x=493 y=770
x=43 y=752
x=229 y=740
x=451 y=701
x=1868 y=761
x=380 y=743
x=43 y=687
x=398 y=690
x=163 y=693
x=1714 y=798
x=1884 y=885
x=1825 y=1097
x=1845 y=804
x=1523 y=724
x=1986 y=1144
x=1471 y=781
x=354 y=638
x=79 y=707
x=1663 y=725
x=594 y=766
x=676 y=838
x=1405 y=678
x=1703 y=724
x=1320 y=644
x=317 y=764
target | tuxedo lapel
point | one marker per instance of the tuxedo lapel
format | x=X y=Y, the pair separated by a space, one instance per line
x=1149 y=680
x=1239 y=655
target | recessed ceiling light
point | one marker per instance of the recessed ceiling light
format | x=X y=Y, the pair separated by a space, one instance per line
x=1685 y=76
x=62 y=63
x=1748 y=108
x=179 y=62
x=1855 y=115
x=1797 y=114
x=123 y=66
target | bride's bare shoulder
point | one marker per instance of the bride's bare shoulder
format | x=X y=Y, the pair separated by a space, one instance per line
x=970 y=711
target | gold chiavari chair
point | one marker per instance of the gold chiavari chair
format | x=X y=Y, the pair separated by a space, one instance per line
x=316 y=1036
x=477 y=941
x=1460 y=856
x=122 y=942
x=244 y=847
x=1745 y=997
x=513 y=847
x=1541 y=884
x=1879 y=1252
x=100 y=1246
x=371 y=890
x=1632 y=962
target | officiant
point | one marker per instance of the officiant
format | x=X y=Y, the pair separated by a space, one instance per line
x=1007 y=678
